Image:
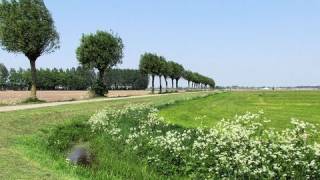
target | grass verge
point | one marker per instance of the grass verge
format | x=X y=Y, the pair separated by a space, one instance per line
x=15 y=163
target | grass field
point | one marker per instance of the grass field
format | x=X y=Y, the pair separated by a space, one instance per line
x=279 y=107
x=16 y=163
x=23 y=153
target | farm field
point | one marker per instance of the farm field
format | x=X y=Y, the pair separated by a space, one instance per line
x=20 y=162
x=279 y=107
x=13 y=97
x=28 y=149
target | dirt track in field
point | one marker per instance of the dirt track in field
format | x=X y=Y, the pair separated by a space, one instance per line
x=50 y=104
x=14 y=97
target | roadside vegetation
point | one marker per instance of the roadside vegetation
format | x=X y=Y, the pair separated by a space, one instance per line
x=23 y=158
x=199 y=135
x=126 y=142
x=71 y=79
x=140 y=141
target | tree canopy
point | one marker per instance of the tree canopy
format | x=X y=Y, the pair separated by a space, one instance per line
x=149 y=64
x=3 y=75
x=26 y=26
x=155 y=65
x=102 y=50
x=125 y=79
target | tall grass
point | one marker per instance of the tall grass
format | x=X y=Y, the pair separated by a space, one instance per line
x=136 y=143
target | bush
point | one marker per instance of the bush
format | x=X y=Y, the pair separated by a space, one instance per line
x=99 y=88
x=63 y=137
x=240 y=148
x=32 y=100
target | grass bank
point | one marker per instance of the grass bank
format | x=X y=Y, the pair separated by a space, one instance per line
x=16 y=163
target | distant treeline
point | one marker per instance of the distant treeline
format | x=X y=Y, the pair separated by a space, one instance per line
x=126 y=79
x=71 y=79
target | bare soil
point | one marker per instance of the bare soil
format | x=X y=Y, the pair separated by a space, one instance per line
x=14 y=97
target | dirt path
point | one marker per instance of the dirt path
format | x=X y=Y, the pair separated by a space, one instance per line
x=33 y=106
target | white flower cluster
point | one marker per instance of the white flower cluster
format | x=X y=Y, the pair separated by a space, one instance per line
x=240 y=148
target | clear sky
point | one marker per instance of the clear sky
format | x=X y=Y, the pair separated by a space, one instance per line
x=237 y=42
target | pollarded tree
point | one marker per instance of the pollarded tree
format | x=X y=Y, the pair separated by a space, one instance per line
x=26 y=26
x=3 y=76
x=162 y=71
x=187 y=75
x=166 y=72
x=178 y=72
x=149 y=64
x=171 y=73
x=102 y=50
x=212 y=83
x=195 y=79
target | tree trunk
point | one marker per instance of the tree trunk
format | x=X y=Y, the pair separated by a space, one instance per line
x=101 y=75
x=33 y=94
x=177 y=81
x=172 y=83
x=152 y=84
x=166 y=84
x=160 y=84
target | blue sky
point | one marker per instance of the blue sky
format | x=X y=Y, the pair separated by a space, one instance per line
x=250 y=43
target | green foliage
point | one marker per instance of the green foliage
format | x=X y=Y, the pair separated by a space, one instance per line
x=30 y=159
x=102 y=50
x=175 y=71
x=198 y=80
x=26 y=26
x=163 y=67
x=126 y=79
x=149 y=64
x=61 y=138
x=99 y=88
x=50 y=79
x=3 y=76
x=170 y=66
x=153 y=65
x=32 y=100
x=79 y=78
x=239 y=148
x=178 y=71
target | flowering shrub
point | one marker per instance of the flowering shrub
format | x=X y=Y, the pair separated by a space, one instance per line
x=241 y=148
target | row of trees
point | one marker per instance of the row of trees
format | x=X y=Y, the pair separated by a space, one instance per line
x=51 y=79
x=27 y=27
x=4 y=74
x=124 y=79
x=70 y=79
x=197 y=80
x=155 y=65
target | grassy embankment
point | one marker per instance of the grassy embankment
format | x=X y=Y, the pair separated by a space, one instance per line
x=20 y=160
x=29 y=157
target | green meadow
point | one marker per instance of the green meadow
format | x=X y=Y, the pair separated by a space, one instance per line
x=25 y=136
x=279 y=107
